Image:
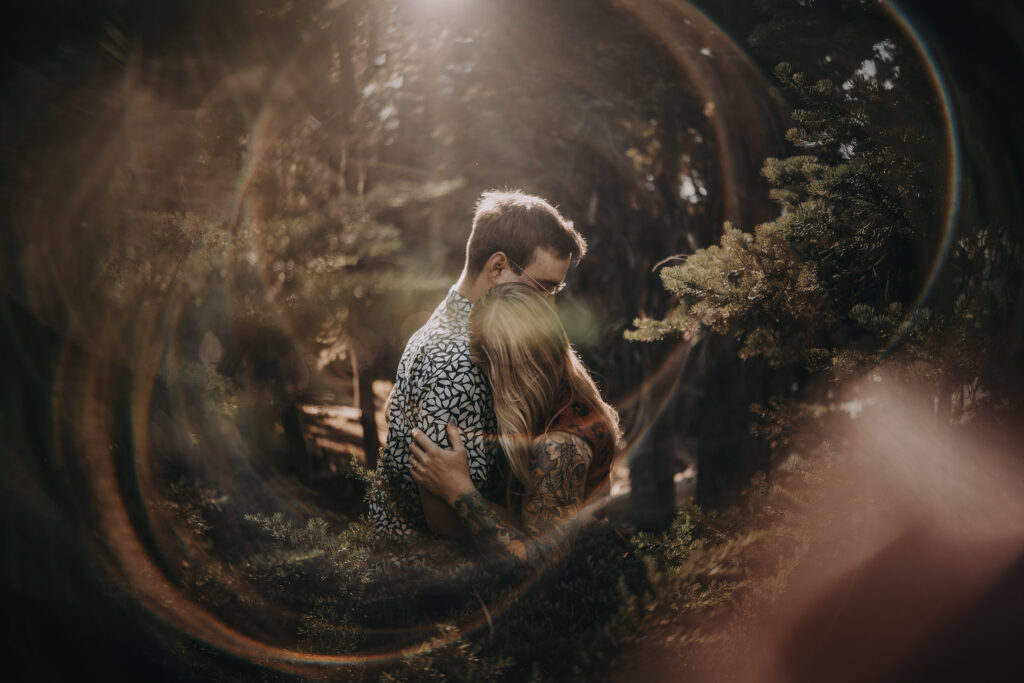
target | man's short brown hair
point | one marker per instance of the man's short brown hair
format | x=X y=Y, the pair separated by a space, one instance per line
x=517 y=223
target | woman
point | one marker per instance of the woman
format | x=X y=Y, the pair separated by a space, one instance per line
x=558 y=435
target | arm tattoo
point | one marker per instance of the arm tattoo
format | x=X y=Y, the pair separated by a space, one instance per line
x=549 y=511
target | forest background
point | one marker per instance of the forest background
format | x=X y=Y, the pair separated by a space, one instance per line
x=223 y=220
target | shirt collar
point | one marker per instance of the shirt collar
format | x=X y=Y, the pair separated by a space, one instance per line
x=458 y=305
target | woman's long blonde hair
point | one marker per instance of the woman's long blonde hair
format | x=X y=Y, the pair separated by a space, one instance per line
x=519 y=342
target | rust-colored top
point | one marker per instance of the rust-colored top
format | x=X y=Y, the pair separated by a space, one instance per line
x=581 y=420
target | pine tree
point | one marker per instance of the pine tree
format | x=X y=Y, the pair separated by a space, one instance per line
x=832 y=287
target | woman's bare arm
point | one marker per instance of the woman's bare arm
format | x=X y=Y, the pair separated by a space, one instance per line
x=550 y=510
x=441 y=519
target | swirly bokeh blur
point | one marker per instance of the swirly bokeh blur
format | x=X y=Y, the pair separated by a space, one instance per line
x=223 y=220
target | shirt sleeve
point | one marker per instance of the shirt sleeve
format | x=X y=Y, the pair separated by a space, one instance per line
x=459 y=394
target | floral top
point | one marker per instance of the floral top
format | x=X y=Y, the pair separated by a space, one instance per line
x=436 y=383
x=581 y=420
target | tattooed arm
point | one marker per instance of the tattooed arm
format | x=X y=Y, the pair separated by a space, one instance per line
x=549 y=511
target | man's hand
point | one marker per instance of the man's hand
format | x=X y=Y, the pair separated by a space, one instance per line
x=445 y=473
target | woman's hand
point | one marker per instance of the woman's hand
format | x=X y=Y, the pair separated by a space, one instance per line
x=445 y=473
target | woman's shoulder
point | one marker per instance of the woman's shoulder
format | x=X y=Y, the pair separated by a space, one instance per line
x=558 y=437
x=557 y=445
x=584 y=421
x=575 y=416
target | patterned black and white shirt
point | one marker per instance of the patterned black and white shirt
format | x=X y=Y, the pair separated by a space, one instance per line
x=436 y=383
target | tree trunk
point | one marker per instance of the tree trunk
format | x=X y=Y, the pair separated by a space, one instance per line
x=652 y=464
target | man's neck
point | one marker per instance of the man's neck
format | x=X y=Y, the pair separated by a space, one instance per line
x=471 y=289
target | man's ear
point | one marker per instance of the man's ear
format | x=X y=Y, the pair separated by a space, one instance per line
x=495 y=266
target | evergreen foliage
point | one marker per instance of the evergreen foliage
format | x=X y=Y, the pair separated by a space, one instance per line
x=325 y=591
x=836 y=284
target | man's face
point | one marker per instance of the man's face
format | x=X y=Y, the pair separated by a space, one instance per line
x=544 y=272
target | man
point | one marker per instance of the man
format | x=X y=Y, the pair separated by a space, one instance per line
x=515 y=237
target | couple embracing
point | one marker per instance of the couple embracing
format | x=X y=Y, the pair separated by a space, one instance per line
x=497 y=434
